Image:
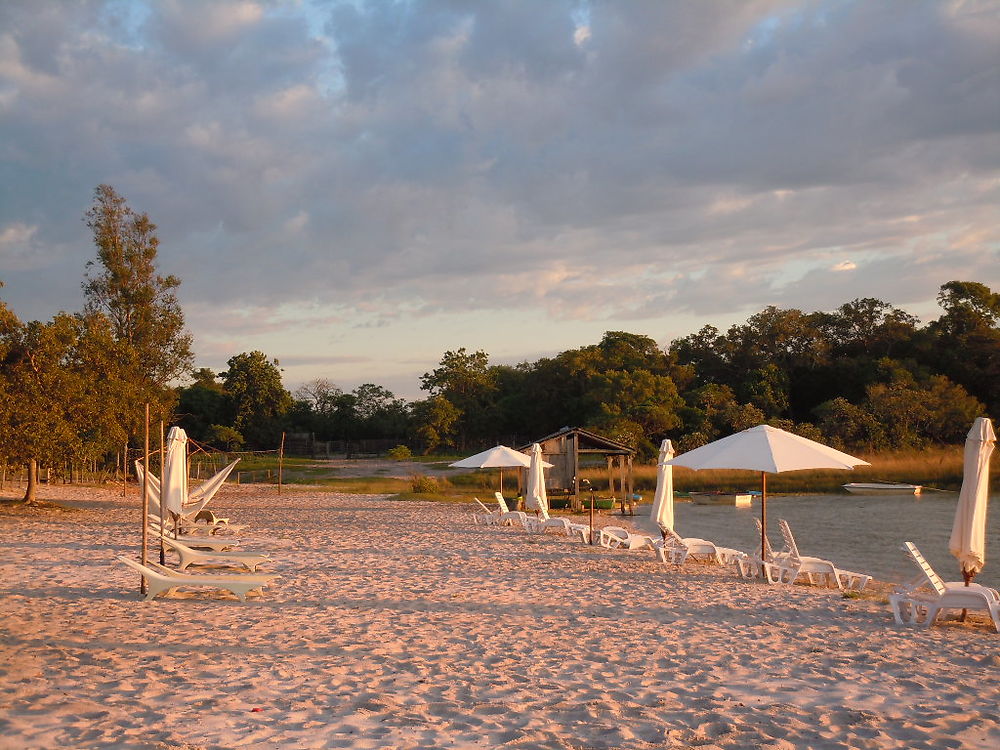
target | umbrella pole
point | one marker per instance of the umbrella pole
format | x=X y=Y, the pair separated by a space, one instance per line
x=591 y=518
x=501 y=480
x=968 y=575
x=763 y=513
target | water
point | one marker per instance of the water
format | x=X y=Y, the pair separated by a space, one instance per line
x=857 y=532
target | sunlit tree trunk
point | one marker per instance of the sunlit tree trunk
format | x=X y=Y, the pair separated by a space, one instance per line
x=29 y=492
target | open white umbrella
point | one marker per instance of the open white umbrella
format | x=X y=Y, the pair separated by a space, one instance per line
x=968 y=534
x=499 y=457
x=662 y=512
x=535 y=497
x=768 y=450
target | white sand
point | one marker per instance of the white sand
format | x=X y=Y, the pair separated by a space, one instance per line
x=402 y=625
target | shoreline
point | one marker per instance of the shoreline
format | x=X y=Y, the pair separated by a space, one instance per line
x=401 y=624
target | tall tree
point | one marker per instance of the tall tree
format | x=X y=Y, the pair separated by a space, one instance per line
x=465 y=380
x=123 y=284
x=258 y=401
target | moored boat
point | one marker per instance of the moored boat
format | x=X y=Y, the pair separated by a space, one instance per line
x=739 y=499
x=882 y=488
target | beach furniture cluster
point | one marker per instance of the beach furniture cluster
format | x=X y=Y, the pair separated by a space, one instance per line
x=918 y=602
x=202 y=540
x=922 y=600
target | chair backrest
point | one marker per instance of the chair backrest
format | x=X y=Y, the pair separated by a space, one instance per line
x=932 y=578
x=501 y=502
x=766 y=554
x=671 y=537
x=790 y=546
x=480 y=502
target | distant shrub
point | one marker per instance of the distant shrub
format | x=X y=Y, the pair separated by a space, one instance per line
x=421 y=483
x=400 y=453
x=225 y=437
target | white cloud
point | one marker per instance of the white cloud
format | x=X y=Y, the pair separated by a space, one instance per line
x=605 y=162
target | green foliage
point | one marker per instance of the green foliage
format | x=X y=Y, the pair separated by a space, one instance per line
x=424 y=484
x=226 y=438
x=257 y=399
x=400 y=453
x=434 y=423
x=466 y=382
x=123 y=285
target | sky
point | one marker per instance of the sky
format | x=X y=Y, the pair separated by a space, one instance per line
x=356 y=187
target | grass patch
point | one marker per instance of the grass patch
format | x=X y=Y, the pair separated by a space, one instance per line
x=939 y=467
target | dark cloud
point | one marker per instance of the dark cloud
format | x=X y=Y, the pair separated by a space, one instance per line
x=606 y=161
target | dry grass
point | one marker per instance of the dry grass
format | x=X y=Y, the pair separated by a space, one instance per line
x=935 y=467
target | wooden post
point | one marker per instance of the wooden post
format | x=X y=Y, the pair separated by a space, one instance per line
x=281 y=458
x=630 y=489
x=163 y=550
x=145 y=501
x=592 y=517
x=125 y=468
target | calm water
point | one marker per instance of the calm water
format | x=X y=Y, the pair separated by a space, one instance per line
x=856 y=532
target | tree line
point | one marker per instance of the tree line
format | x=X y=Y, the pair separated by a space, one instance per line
x=865 y=377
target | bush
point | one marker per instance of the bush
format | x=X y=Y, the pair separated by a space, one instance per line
x=400 y=453
x=421 y=483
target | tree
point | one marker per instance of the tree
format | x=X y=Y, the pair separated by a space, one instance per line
x=381 y=414
x=201 y=404
x=57 y=403
x=964 y=343
x=464 y=380
x=849 y=427
x=321 y=395
x=257 y=399
x=433 y=423
x=123 y=284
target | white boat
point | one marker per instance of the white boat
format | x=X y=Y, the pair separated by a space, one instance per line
x=883 y=488
x=739 y=499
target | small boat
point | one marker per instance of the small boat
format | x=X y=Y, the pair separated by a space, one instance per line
x=739 y=499
x=883 y=488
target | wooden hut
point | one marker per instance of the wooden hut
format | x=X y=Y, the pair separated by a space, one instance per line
x=573 y=448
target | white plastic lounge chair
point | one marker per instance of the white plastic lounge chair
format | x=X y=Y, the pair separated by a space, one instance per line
x=213 y=542
x=617 y=537
x=487 y=517
x=189 y=556
x=161 y=580
x=668 y=549
x=828 y=573
x=700 y=548
x=510 y=517
x=206 y=520
x=544 y=522
x=920 y=602
x=761 y=565
x=567 y=527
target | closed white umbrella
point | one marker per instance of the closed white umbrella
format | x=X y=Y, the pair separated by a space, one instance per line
x=662 y=512
x=535 y=497
x=499 y=457
x=768 y=450
x=174 y=483
x=968 y=534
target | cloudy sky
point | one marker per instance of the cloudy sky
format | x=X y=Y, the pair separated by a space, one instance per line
x=356 y=187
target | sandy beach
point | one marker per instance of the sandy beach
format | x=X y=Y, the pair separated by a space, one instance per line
x=403 y=625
